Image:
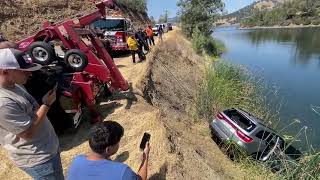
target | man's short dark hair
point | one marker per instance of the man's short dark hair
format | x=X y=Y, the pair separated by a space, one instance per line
x=105 y=134
x=2 y=38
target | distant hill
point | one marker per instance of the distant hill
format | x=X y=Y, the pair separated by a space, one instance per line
x=174 y=19
x=247 y=11
x=286 y=13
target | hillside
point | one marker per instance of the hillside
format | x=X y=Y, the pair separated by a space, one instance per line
x=20 y=19
x=288 y=13
x=247 y=11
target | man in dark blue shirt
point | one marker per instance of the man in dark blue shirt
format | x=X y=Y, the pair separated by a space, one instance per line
x=104 y=139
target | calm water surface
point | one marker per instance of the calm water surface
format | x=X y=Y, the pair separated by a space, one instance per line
x=288 y=60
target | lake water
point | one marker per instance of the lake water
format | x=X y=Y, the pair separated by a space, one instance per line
x=288 y=60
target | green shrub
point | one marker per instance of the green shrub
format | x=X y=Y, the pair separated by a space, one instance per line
x=198 y=41
x=208 y=45
x=226 y=85
x=315 y=21
x=307 y=21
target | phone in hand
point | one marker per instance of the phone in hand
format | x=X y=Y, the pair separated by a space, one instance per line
x=145 y=139
x=55 y=87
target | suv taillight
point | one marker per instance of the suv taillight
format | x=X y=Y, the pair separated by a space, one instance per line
x=244 y=137
x=120 y=37
x=220 y=116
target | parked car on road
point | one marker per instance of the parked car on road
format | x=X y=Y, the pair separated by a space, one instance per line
x=247 y=131
x=170 y=28
x=155 y=29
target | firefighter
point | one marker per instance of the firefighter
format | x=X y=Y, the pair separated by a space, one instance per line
x=133 y=47
x=141 y=39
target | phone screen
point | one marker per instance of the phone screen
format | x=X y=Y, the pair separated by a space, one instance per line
x=145 y=139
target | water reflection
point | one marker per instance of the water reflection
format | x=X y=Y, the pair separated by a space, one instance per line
x=306 y=40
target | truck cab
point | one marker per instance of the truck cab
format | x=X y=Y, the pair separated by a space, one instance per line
x=116 y=30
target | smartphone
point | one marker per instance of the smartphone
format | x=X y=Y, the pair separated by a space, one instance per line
x=145 y=139
x=55 y=87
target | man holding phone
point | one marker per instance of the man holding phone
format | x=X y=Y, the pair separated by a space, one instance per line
x=104 y=141
x=25 y=131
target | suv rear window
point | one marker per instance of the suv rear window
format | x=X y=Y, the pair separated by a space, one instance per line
x=240 y=120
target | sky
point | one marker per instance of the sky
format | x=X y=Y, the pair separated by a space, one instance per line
x=157 y=7
x=234 y=5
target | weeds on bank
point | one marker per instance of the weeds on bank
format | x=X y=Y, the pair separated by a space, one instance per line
x=226 y=85
x=206 y=44
x=307 y=167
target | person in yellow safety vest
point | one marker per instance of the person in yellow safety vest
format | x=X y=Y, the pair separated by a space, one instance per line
x=133 y=47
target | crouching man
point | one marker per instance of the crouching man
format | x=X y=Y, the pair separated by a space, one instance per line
x=104 y=141
x=25 y=131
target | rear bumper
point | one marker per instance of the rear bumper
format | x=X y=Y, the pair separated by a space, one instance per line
x=218 y=132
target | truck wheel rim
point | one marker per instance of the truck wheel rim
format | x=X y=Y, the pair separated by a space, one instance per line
x=40 y=54
x=75 y=60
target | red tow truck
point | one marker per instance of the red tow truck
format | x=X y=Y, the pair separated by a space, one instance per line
x=83 y=71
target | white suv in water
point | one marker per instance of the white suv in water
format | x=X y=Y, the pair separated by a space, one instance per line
x=239 y=126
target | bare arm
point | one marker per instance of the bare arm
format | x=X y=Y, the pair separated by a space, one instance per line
x=143 y=170
x=47 y=100
x=8 y=44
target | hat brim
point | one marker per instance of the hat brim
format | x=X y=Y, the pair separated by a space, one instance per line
x=32 y=67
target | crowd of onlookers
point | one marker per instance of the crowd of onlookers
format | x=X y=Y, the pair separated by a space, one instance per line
x=143 y=40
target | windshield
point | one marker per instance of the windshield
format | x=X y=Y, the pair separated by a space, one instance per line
x=110 y=24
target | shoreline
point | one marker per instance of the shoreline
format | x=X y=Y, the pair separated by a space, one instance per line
x=278 y=27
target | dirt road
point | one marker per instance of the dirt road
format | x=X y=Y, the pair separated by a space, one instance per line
x=160 y=101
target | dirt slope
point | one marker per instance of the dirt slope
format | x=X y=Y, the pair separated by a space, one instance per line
x=158 y=103
x=21 y=18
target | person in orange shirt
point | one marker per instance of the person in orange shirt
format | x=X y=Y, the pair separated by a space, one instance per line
x=149 y=32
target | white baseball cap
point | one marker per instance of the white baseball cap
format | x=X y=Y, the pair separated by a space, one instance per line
x=16 y=59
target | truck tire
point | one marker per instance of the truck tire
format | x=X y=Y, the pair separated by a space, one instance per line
x=42 y=53
x=76 y=60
